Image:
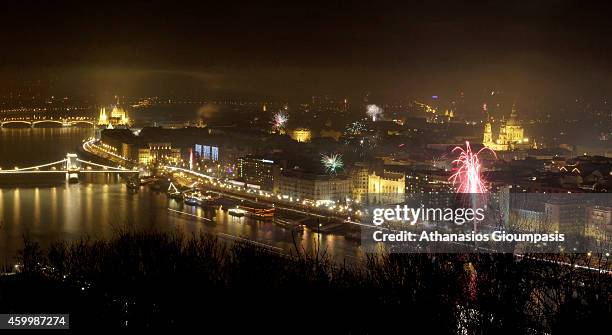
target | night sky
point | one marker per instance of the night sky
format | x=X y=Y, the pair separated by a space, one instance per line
x=538 y=52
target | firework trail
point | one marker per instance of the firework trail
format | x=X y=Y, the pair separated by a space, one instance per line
x=279 y=121
x=332 y=163
x=374 y=112
x=190 y=159
x=467 y=175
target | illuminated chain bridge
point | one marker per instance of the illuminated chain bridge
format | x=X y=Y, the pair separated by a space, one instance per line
x=65 y=122
x=72 y=166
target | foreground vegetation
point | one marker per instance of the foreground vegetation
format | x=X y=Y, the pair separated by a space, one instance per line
x=166 y=280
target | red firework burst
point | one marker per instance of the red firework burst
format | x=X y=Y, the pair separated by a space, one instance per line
x=467 y=174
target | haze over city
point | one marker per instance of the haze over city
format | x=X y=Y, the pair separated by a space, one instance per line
x=544 y=54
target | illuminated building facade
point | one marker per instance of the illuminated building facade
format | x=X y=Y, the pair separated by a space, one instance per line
x=599 y=221
x=305 y=186
x=428 y=182
x=207 y=152
x=378 y=187
x=258 y=171
x=359 y=176
x=389 y=187
x=600 y=216
x=159 y=152
x=566 y=216
x=144 y=156
x=510 y=135
x=388 y=182
x=301 y=134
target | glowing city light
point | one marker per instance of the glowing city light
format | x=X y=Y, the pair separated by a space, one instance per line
x=374 y=112
x=332 y=163
x=190 y=159
x=467 y=175
x=279 y=121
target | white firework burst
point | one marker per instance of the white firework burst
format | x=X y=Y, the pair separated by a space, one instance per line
x=374 y=112
x=280 y=120
x=355 y=128
x=333 y=163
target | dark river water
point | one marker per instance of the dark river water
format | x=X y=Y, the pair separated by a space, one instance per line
x=48 y=209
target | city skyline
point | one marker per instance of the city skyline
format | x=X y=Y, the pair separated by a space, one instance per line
x=166 y=164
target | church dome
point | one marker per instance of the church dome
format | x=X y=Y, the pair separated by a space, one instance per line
x=513 y=120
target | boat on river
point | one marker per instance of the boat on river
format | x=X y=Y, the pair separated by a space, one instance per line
x=194 y=198
x=197 y=198
x=258 y=213
x=174 y=193
x=236 y=212
x=133 y=184
x=291 y=225
x=73 y=178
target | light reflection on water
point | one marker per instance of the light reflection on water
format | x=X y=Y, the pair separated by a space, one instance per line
x=49 y=209
x=72 y=211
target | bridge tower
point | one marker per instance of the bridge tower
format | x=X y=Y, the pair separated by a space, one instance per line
x=72 y=163
x=72 y=168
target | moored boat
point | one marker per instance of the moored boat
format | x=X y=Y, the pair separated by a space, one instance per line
x=132 y=184
x=293 y=226
x=73 y=178
x=237 y=212
x=175 y=195
x=194 y=198
x=259 y=213
x=173 y=192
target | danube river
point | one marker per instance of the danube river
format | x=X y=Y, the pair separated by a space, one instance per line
x=48 y=209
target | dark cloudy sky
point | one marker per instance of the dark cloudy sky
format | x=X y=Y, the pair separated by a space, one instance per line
x=534 y=50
